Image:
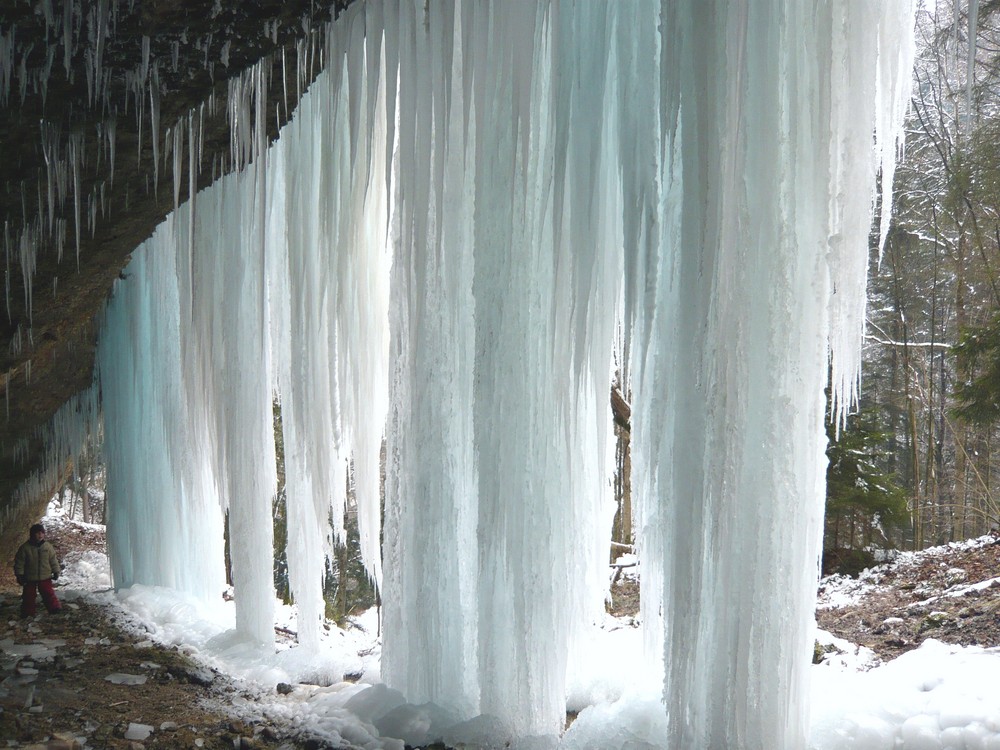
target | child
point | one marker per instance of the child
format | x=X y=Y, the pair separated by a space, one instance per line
x=36 y=567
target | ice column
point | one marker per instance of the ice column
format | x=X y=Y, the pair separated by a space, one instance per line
x=547 y=273
x=187 y=408
x=276 y=287
x=431 y=538
x=767 y=172
x=506 y=286
x=162 y=507
x=328 y=278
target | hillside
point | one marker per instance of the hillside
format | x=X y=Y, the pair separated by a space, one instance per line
x=949 y=593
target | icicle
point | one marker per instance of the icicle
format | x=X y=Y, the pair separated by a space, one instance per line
x=193 y=139
x=67 y=38
x=154 y=122
x=50 y=57
x=75 y=157
x=7 y=254
x=7 y=63
x=111 y=128
x=284 y=79
x=888 y=52
x=100 y=145
x=41 y=207
x=300 y=54
x=99 y=32
x=140 y=108
x=22 y=72
x=90 y=67
x=892 y=97
x=106 y=92
x=48 y=16
x=50 y=145
x=144 y=64
x=178 y=154
x=201 y=137
x=60 y=238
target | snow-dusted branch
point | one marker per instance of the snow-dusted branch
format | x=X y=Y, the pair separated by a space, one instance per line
x=910 y=344
x=887 y=340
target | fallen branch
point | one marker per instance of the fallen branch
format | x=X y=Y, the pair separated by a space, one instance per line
x=619 y=567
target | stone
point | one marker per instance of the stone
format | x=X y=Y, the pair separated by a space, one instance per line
x=934 y=620
x=203 y=677
x=955 y=576
x=121 y=678
x=138 y=731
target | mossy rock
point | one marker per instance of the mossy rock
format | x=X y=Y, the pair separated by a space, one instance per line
x=934 y=620
x=820 y=651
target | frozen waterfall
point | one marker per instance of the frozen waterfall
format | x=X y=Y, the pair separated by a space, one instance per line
x=468 y=204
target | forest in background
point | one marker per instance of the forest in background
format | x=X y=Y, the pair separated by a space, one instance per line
x=918 y=463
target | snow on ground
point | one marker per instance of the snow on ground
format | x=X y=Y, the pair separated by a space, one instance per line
x=936 y=697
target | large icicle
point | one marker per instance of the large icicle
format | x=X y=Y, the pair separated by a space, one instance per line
x=328 y=247
x=430 y=527
x=284 y=262
x=161 y=499
x=768 y=171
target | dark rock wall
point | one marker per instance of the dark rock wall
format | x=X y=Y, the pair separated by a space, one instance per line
x=79 y=80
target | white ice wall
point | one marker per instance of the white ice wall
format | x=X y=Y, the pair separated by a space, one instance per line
x=534 y=173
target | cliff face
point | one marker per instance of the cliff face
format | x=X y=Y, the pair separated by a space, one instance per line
x=92 y=96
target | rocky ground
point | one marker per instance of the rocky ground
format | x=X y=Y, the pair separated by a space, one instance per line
x=75 y=679
x=950 y=593
x=79 y=679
